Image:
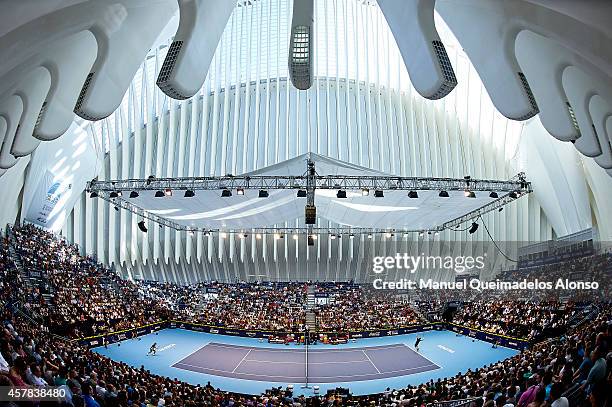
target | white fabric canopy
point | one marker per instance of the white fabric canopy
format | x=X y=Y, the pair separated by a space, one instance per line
x=242 y=212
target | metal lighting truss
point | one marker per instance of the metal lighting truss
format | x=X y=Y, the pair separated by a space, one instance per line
x=508 y=191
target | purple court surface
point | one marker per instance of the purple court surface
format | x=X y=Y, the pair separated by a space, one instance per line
x=289 y=365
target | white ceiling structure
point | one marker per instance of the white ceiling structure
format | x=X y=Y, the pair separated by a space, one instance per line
x=480 y=87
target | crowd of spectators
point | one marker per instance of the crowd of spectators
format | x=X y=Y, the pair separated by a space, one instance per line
x=526 y=321
x=88 y=298
x=355 y=308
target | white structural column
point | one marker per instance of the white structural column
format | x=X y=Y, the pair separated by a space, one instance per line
x=201 y=24
x=301 y=44
x=412 y=23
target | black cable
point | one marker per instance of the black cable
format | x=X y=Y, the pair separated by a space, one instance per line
x=494 y=243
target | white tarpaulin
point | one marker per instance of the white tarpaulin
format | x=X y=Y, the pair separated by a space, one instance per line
x=207 y=209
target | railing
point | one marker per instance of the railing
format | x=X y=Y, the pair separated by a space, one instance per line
x=453 y=403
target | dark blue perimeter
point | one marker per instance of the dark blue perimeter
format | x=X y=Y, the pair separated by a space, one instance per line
x=289 y=365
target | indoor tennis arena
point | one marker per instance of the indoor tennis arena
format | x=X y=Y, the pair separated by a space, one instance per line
x=270 y=203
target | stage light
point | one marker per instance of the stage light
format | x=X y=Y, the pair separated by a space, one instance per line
x=134 y=194
x=333 y=237
x=239 y=191
x=473 y=228
x=263 y=193
x=369 y=235
x=365 y=192
x=351 y=236
x=258 y=236
x=113 y=194
x=436 y=233
x=443 y=194
x=413 y=194
x=168 y=192
x=513 y=195
x=189 y=193
x=142 y=226
x=388 y=235
x=493 y=195
x=226 y=193
x=378 y=193
x=470 y=194
x=295 y=237
x=159 y=194
x=301 y=193
x=421 y=234
x=94 y=194
x=341 y=194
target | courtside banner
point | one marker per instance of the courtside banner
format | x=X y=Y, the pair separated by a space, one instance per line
x=106 y=339
x=501 y=340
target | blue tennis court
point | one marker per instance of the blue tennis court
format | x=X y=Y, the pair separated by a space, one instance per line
x=292 y=365
x=248 y=365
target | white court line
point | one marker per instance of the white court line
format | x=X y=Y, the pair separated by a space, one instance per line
x=366 y=355
x=239 y=363
x=310 y=350
x=303 y=363
x=314 y=378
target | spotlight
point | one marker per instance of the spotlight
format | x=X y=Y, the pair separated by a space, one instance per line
x=301 y=193
x=369 y=235
x=333 y=237
x=443 y=194
x=388 y=235
x=263 y=193
x=493 y=195
x=378 y=193
x=513 y=195
x=239 y=191
x=142 y=226
x=365 y=192
x=341 y=193
x=437 y=233
x=258 y=236
x=473 y=228
x=295 y=237
x=351 y=236
x=94 y=194
x=226 y=193
x=113 y=194
x=168 y=192
x=470 y=194
x=421 y=234
x=189 y=193
x=134 y=194
x=159 y=194
x=413 y=194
